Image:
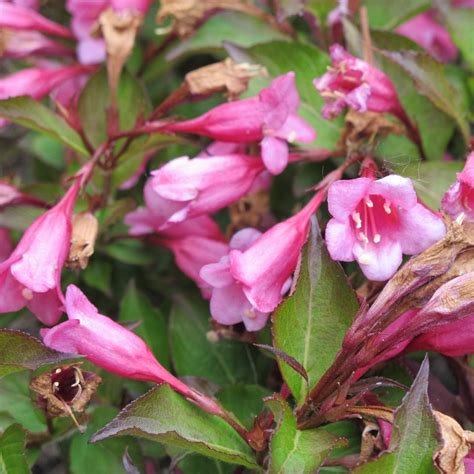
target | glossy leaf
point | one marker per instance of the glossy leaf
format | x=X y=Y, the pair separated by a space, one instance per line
x=12 y=451
x=136 y=307
x=293 y=450
x=388 y=15
x=193 y=353
x=20 y=351
x=310 y=324
x=166 y=417
x=308 y=62
x=414 y=437
x=32 y=114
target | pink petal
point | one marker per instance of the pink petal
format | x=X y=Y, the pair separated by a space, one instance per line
x=396 y=189
x=47 y=307
x=339 y=240
x=345 y=195
x=244 y=238
x=295 y=129
x=274 y=154
x=228 y=304
x=380 y=261
x=11 y=297
x=218 y=274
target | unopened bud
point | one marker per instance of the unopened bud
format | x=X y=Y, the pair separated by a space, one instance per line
x=85 y=228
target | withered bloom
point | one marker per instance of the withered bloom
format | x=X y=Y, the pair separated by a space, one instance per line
x=85 y=228
x=64 y=390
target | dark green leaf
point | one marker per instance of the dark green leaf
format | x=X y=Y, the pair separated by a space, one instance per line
x=48 y=150
x=194 y=464
x=20 y=351
x=239 y=28
x=414 y=437
x=98 y=275
x=388 y=15
x=293 y=450
x=135 y=306
x=321 y=9
x=193 y=353
x=431 y=180
x=244 y=401
x=308 y=62
x=130 y=251
x=166 y=417
x=12 y=451
x=101 y=458
x=94 y=102
x=32 y=114
x=310 y=324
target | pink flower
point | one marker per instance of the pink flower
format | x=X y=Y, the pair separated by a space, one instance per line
x=10 y=196
x=351 y=82
x=269 y=118
x=6 y=245
x=18 y=17
x=430 y=35
x=263 y=269
x=376 y=221
x=38 y=82
x=185 y=188
x=459 y=198
x=229 y=305
x=31 y=275
x=106 y=343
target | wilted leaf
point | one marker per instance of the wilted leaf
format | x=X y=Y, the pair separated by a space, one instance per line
x=223 y=361
x=32 y=114
x=20 y=351
x=413 y=439
x=12 y=451
x=293 y=450
x=166 y=417
x=311 y=323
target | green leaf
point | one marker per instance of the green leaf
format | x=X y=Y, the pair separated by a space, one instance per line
x=20 y=351
x=414 y=437
x=388 y=15
x=48 y=151
x=321 y=9
x=130 y=251
x=242 y=30
x=166 y=417
x=308 y=62
x=244 y=401
x=12 y=451
x=431 y=180
x=32 y=114
x=193 y=353
x=98 y=275
x=15 y=401
x=459 y=22
x=293 y=450
x=135 y=306
x=104 y=457
x=310 y=324
x=194 y=463
x=430 y=80
x=94 y=102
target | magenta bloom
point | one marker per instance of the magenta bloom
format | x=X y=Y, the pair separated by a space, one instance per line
x=459 y=198
x=20 y=44
x=229 y=304
x=106 y=343
x=430 y=35
x=38 y=82
x=263 y=269
x=31 y=275
x=187 y=188
x=269 y=118
x=351 y=82
x=376 y=221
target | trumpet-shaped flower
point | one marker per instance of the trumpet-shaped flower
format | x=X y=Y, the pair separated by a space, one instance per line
x=31 y=275
x=229 y=304
x=376 y=221
x=269 y=118
x=459 y=198
x=352 y=82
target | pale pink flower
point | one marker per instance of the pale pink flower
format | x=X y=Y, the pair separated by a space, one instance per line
x=459 y=198
x=229 y=304
x=11 y=196
x=352 y=82
x=376 y=221
x=31 y=275
x=430 y=35
x=263 y=269
x=269 y=118
x=185 y=188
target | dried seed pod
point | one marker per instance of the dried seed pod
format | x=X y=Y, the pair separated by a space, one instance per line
x=84 y=234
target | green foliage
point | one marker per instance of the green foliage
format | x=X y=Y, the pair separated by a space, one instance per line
x=166 y=417
x=310 y=324
x=12 y=451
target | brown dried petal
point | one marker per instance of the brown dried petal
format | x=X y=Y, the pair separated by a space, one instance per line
x=456 y=444
x=371 y=441
x=225 y=76
x=85 y=228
